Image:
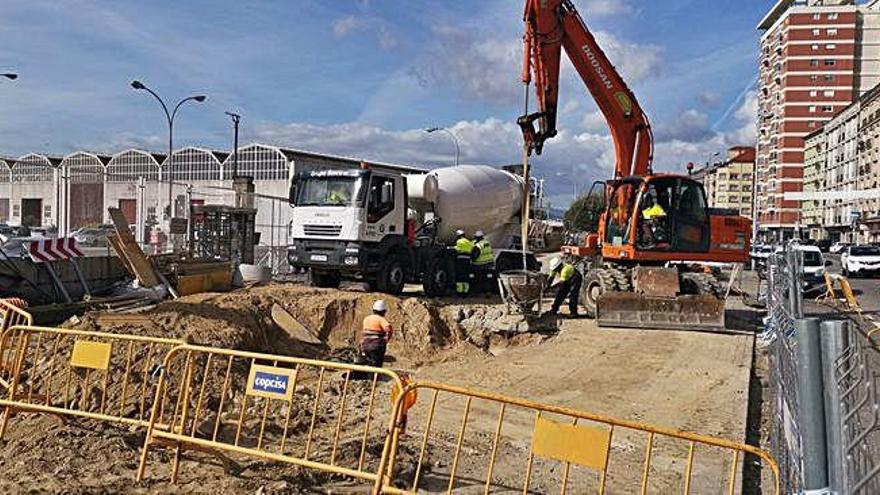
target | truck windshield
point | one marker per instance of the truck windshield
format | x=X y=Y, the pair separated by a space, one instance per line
x=327 y=191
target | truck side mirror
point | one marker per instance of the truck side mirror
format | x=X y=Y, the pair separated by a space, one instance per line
x=385 y=193
x=292 y=192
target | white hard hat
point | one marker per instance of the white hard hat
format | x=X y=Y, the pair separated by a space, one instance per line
x=555 y=263
x=478 y=233
x=379 y=305
x=459 y=232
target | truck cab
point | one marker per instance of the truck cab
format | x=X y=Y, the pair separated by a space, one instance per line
x=351 y=224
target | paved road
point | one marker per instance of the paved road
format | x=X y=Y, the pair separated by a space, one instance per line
x=867 y=289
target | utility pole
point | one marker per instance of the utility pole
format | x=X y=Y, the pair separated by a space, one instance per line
x=236 y=119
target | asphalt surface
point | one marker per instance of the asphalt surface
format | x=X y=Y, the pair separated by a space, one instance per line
x=867 y=289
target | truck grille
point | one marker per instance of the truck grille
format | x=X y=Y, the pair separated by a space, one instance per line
x=322 y=230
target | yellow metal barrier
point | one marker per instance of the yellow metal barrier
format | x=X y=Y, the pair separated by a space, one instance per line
x=830 y=296
x=78 y=373
x=12 y=315
x=463 y=440
x=851 y=301
x=331 y=417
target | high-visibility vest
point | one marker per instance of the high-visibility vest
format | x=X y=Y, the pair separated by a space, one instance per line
x=485 y=257
x=653 y=212
x=376 y=327
x=568 y=270
x=464 y=246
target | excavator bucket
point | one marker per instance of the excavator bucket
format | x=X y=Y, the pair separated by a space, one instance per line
x=632 y=310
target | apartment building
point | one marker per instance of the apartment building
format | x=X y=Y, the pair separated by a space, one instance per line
x=869 y=163
x=728 y=184
x=841 y=171
x=817 y=56
x=814 y=181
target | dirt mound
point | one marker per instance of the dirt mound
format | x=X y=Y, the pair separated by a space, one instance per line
x=242 y=320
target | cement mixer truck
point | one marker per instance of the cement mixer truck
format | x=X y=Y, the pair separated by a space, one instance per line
x=386 y=228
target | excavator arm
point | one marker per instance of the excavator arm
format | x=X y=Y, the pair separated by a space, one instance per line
x=551 y=25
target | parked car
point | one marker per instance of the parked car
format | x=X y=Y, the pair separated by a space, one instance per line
x=92 y=236
x=860 y=260
x=837 y=247
x=814 y=266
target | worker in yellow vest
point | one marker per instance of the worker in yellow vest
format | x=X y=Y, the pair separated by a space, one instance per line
x=568 y=281
x=464 y=255
x=485 y=255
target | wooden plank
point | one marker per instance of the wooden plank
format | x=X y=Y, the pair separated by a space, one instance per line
x=128 y=248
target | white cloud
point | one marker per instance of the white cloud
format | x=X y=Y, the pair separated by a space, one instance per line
x=636 y=62
x=570 y=157
x=709 y=98
x=690 y=126
x=607 y=7
x=345 y=26
x=351 y=24
x=490 y=68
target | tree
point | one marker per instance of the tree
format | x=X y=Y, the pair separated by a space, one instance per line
x=583 y=214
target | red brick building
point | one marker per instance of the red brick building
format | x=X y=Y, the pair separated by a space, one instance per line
x=816 y=57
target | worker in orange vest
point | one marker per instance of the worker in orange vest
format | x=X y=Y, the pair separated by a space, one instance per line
x=376 y=334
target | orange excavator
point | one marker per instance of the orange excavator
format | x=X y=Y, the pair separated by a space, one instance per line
x=648 y=264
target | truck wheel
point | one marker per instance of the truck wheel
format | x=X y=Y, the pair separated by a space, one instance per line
x=436 y=279
x=327 y=280
x=392 y=277
x=596 y=282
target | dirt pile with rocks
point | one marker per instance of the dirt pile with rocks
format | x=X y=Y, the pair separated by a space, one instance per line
x=48 y=455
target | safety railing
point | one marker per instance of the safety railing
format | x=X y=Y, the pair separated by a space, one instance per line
x=856 y=373
x=327 y=416
x=79 y=373
x=457 y=439
x=13 y=314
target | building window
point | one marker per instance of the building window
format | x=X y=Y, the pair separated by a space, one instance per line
x=828 y=93
x=829 y=77
x=812 y=108
x=832 y=16
x=832 y=32
x=814 y=47
x=814 y=93
x=814 y=78
x=817 y=17
x=830 y=63
x=831 y=46
x=814 y=63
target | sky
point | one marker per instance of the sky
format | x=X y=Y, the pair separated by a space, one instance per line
x=363 y=78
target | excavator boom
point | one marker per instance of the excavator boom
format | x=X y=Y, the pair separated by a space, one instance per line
x=553 y=25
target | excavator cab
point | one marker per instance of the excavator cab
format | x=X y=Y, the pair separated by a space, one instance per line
x=657 y=214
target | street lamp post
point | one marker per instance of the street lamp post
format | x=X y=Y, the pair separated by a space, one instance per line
x=432 y=130
x=170 y=118
x=236 y=119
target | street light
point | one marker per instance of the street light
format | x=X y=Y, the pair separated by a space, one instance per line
x=432 y=130
x=10 y=75
x=236 y=119
x=137 y=85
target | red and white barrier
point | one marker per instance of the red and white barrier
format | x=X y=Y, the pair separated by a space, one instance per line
x=47 y=250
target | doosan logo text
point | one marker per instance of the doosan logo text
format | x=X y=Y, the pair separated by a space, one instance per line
x=597 y=67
